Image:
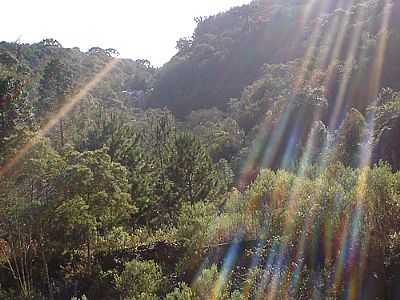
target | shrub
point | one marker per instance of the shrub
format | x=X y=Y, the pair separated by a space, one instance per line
x=182 y=292
x=140 y=280
x=210 y=285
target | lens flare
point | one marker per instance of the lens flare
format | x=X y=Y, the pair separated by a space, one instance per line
x=65 y=109
x=344 y=244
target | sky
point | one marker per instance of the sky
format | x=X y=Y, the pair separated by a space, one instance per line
x=138 y=29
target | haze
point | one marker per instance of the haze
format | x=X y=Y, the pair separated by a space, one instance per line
x=137 y=29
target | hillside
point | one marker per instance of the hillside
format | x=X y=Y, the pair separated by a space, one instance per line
x=228 y=51
x=261 y=162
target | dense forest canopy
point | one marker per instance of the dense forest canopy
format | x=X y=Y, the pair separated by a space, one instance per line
x=261 y=162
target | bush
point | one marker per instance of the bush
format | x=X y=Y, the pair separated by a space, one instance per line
x=210 y=285
x=182 y=292
x=140 y=280
x=193 y=230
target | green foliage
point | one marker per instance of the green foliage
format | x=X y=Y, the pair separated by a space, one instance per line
x=204 y=286
x=221 y=136
x=78 y=225
x=95 y=200
x=55 y=85
x=112 y=130
x=350 y=137
x=15 y=115
x=173 y=168
x=182 y=292
x=7 y=295
x=191 y=170
x=194 y=229
x=218 y=56
x=387 y=118
x=103 y=184
x=140 y=280
x=26 y=197
x=116 y=186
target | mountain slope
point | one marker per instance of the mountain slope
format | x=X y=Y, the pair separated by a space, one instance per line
x=227 y=52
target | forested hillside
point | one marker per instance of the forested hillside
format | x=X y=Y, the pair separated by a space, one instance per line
x=261 y=162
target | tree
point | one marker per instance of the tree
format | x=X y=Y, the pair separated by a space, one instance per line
x=140 y=280
x=54 y=88
x=96 y=199
x=349 y=138
x=191 y=170
x=172 y=168
x=112 y=52
x=387 y=128
x=112 y=130
x=221 y=136
x=182 y=292
x=16 y=116
x=183 y=44
x=27 y=195
x=50 y=43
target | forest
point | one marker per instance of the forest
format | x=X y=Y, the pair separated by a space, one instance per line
x=261 y=162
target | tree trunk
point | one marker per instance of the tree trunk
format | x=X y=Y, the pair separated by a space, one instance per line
x=46 y=270
x=89 y=262
x=62 y=133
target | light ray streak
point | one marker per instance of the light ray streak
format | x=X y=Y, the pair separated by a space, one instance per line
x=268 y=268
x=304 y=18
x=305 y=63
x=348 y=70
x=287 y=229
x=366 y=154
x=330 y=146
x=350 y=58
x=275 y=140
x=291 y=146
x=376 y=72
x=277 y=133
x=332 y=31
x=340 y=37
x=335 y=35
x=229 y=262
x=308 y=9
x=321 y=61
x=65 y=109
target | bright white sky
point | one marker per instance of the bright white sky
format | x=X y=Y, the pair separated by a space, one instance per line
x=136 y=28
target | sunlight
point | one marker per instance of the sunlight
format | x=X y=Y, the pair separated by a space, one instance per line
x=361 y=187
x=305 y=16
x=348 y=70
x=277 y=134
x=339 y=33
x=379 y=58
x=271 y=146
x=259 y=162
x=336 y=30
x=229 y=263
x=349 y=61
x=65 y=109
x=331 y=146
